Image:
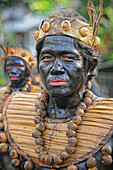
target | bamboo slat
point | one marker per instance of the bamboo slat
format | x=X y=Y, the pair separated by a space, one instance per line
x=96 y=125
x=2 y=90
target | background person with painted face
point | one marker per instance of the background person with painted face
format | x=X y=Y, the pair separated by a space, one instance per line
x=72 y=127
x=17 y=67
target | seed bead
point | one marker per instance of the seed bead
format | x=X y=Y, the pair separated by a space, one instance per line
x=69 y=149
x=11 y=51
x=72 y=141
x=89 y=84
x=72 y=167
x=36 y=134
x=91 y=162
x=8 y=91
x=38 y=119
x=84 y=31
x=6 y=95
x=97 y=42
x=88 y=94
x=93 y=168
x=24 y=89
x=48 y=159
x=13 y=154
x=40 y=127
x=24 y=54
x=41 y=112
x=41 y=105
x=4 y=147
x=29 y=83
x=3 y=57
x=39 y=141
x=39 y=148
x=3 y=137
x=36 y=34
x=77 y=120
x=65 y=25
x=80 y=112
x=64 y=155
x=28 y=165
x=41 y=156
x=58 y=160
x=44 y=92
x=107 y=160
x=15 y=163
x=72 y=126
x=45 y=26
x=10 y=85
x=87 y=101
x=43 y=98
x=70 y=133
x=106 y=150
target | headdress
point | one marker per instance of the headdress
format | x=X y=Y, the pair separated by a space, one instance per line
x=73 y=26
x=17 y=52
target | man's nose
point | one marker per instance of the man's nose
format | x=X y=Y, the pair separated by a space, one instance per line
x=13 y=70
x=57 y=68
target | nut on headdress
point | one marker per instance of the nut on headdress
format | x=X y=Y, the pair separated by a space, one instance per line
x=17 y=52
x=73 y=26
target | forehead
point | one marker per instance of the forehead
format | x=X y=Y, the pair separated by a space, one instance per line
x=14 y=60
x=58 y=43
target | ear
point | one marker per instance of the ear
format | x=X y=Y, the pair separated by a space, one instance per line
x=92 y=65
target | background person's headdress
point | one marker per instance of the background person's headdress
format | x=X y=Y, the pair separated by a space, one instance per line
x=73 y=25
x=17 y=52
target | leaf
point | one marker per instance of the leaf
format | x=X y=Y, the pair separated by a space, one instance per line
x=92 y=13
x=99 y=19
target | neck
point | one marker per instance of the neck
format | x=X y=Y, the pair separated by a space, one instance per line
x=19 y=85
x=63 y=107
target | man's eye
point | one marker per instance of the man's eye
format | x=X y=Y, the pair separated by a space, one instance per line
x=48 y=58
x=65 y=58
x=9 y=67
x=19 y=67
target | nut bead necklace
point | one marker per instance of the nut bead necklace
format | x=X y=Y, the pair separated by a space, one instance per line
x=71 y=132
x=9 y=89
x=23 y=54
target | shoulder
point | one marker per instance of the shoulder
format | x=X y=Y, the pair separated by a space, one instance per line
x=35 y=89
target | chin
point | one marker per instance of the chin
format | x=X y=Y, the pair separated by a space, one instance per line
x=15 y=81
x=59 y=92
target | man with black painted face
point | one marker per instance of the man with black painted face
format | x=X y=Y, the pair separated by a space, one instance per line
x=17 y=71
x=66 y=60
x=71 y=124
x=62 y=72
x=18 y=66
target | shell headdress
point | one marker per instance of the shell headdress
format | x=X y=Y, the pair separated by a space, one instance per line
x=74 y=27
x=17 y=52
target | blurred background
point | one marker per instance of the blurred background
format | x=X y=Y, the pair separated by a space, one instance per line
x=19 y=19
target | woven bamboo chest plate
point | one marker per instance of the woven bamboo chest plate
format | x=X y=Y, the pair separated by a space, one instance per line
x=94 y=131
x=2 y=90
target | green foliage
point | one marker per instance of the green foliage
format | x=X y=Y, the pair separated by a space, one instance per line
x=3 y=80
x=48 y=6
x=45 y=6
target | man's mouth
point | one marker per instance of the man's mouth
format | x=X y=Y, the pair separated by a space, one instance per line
x=14 y=78
x=57 y=82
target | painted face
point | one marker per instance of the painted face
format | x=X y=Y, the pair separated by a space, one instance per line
x=15 y=69
x=61 y=66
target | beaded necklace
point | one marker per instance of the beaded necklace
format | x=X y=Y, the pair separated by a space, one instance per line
x=43 y=156
x=9 y=89
x=71 y=132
